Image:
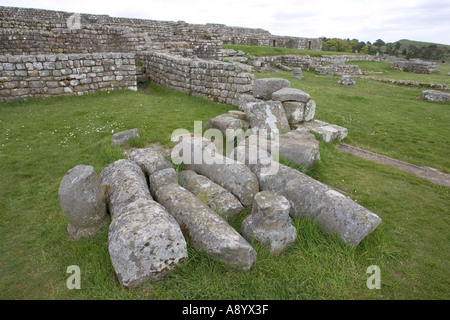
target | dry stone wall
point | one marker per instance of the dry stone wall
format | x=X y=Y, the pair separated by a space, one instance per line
x=61 y=74
x=33 y=31
x=214 y=80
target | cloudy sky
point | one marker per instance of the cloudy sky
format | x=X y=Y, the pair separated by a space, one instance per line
x=365 y=20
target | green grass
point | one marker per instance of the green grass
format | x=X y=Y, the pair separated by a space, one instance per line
x=277 y=51
x=41 y=139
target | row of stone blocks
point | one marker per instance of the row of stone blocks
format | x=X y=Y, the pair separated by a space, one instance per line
x=148 y=238
x=47 y=75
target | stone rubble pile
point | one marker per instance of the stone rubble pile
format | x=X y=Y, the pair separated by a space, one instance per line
x=274 y=108
x=156 y=212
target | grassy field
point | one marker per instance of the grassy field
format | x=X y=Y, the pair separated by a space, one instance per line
x=41 y=139
x=440 y=77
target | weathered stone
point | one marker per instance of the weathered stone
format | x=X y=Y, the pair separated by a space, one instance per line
x=435 y=96
x=347 y=81
x=145 y=243
x=123 y=182
x=216 y=197
x=300 y=147
x=265 y=87
x=160 y=178
x=297 y=73
x=200 y=156
x=310 y=110
x=338 y=69
x=295 y=111
x=310 y=198
x=240 y=114
x=122 y=138
x=291 y=94
x=226 y=121
x=267 y=115
x=82 y=200
x=270 y=222
x=416 y=66
x=205 y=229
x=149 y=160
x=328 y=132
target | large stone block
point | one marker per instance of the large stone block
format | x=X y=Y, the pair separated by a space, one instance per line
x=264 y=88
x=82 y=200
x=291 y=94
x=145 y=243
x=328 y=132
x=266 y=115
x=227 y=121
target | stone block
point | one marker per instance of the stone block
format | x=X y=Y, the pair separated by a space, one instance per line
x=270 y=222
x=122 y=138
x=264 y=88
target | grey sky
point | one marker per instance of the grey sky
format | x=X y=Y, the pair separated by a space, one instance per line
x=390 y=20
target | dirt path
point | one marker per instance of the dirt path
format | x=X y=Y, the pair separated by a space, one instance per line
x=427 y=173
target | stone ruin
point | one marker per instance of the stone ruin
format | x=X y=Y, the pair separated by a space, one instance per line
x=416 y=66
x=155 y=212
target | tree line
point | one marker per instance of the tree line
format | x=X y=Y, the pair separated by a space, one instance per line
x=426 y=52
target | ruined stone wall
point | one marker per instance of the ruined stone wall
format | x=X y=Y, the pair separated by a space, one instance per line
x=214 y=80
x=307 y=62
x=33 y=31
x=54 y=75
x=416 y=66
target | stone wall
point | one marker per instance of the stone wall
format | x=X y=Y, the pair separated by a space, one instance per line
x=213 y=80
x=307 y=62
x=416 y=66
x=34 y=31
x=61 y=74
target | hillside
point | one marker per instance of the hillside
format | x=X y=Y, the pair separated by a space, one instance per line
x=423 y=50
x=405 y=43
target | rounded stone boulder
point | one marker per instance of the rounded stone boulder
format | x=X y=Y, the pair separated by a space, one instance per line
x=82 y=200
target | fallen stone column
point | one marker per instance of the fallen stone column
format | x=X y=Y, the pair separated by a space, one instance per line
x=123 y=183
x=205 y=229
x=310 y=198
x=145 y=243
x=149 y=160
x=217 y=198
x=199 y=155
